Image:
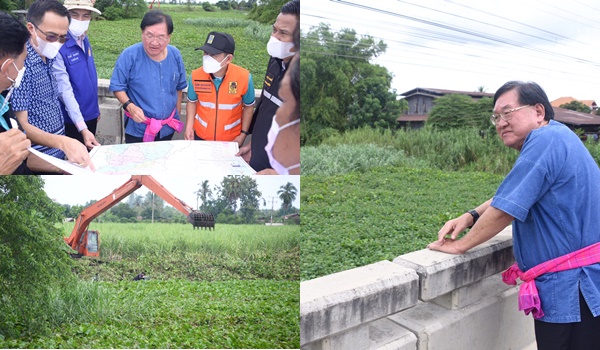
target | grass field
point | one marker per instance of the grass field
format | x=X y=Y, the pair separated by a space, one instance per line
x=110 y=38
x=235 y=287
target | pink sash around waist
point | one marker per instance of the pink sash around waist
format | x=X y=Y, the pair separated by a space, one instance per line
x=529 y=299
x=154 y=125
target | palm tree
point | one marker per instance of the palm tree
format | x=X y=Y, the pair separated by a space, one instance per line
x=232 y=190
x=287 y=194
x=204 y=193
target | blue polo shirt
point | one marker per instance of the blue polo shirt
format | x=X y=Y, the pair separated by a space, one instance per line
x=38 y=95
x=150 y=85
x=553 y=192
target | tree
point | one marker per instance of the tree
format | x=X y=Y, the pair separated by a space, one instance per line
x=340 y=89
x=33 y=255
x=458 y=111
x=576 y=106
x=223 y=5
x=287 y=193
x=267 y=11
x=249 y=198
x=203 y=193
x=124 y=211
x=208 y=7
x=231 y=190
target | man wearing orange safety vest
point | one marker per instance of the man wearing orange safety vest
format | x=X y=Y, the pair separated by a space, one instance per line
x=220 y=94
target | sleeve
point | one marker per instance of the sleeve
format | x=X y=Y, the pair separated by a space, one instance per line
x=530 y=178
x=249 y=97
x=119 y=80
x=191 y=94
x=182 y=83
x=65 y=92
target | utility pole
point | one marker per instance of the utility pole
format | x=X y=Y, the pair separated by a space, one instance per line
x=152 y=207
x=272 y=206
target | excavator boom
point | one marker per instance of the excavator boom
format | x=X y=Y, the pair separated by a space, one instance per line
x=87 y=242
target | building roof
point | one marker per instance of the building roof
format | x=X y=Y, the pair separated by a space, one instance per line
x=413 y=118
x=442 y=92
x=562 y=100
x=575 y=118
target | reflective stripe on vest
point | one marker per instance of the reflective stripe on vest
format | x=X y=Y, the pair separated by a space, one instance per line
x=273 y=99
x=203 y=122
x=233 y=125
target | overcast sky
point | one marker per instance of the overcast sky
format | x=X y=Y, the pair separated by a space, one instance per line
x=464 y=44
x=80 y=189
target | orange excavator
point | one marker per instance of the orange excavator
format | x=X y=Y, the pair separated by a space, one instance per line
x=87 y=243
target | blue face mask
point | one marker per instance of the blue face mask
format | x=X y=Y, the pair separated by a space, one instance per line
x=3 y=110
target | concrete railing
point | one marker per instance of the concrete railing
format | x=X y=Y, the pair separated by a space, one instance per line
x=110 y=127
x=422 y=300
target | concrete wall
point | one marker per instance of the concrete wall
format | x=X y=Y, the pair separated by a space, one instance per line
x=110 y=126
x=422 y=300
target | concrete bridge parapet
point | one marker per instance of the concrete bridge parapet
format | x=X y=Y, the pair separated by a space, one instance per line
x=462 y=304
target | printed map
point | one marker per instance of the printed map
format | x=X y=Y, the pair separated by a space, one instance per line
x=170 y=157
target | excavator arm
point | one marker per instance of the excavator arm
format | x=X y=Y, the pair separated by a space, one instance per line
x=78 y=240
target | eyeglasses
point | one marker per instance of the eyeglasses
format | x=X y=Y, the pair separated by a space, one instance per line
x=161 y=39
x=52 y=37
x=506 y=116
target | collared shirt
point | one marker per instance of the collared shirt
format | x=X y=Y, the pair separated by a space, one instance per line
x=150 y=85
x=553 y=193
x=65 y=90
x=38 y=95
x=248 y=98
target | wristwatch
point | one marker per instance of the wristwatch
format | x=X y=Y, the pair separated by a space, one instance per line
x=245 y=132
x=126 y=104
x=475 y=216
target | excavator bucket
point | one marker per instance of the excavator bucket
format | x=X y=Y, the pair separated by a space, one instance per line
x=201 y=220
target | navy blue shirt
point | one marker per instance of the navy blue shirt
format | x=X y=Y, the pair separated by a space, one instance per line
x=553 y=192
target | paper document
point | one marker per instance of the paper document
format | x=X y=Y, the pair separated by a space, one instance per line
x=69 y=167
x=170 y=157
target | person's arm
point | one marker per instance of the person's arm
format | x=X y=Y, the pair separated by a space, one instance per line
x=75 y=151
x=37 y=164
x=491 y=222
x=246 y=120
x=190 y=112
x=455 y=226
x=179 y=97
x=137 y=114
x=65 y=93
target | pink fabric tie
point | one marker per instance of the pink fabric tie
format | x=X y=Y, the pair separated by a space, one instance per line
x=529 y=299
x=154 y=125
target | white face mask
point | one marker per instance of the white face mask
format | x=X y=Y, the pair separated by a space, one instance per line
x=271 y=137
x=78 y=28
x=210 y=65
x=17 y=81
x=279 y=49
x=48 y=50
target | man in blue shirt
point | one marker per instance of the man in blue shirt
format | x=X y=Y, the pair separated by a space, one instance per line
x=149 y=78
x=76 y=77
x=551 y=197
x=35 y=101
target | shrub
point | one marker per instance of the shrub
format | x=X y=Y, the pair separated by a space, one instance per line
x=113 y=13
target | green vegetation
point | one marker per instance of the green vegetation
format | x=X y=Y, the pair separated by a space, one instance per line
x=234 y=287
x=460 y=111
x=370 y=195
x=191 y=26
x=340 y=89
x=576 y=106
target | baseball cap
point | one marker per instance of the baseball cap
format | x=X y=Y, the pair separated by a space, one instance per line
x=217 y=42
x=81 y=4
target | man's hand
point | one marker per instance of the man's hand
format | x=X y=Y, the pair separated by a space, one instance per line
x=13 y=150
x=267 y=171
x=245 y=152
x=240 y=139
x=454 y=227
x=448 y=245
x=89 y=139
x=137 y=114
x=77 y=153
x=188 y=134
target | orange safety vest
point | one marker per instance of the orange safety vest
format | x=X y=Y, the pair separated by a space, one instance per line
x=219 y=114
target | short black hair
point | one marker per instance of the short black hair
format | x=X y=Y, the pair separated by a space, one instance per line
x=529 y=93
x=37 y=10
x=155 y=17
x=291 y=8
x=14 y=36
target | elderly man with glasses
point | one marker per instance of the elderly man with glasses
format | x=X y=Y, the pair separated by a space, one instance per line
x=551 y=197
x=35 y=101
x=148 y=79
